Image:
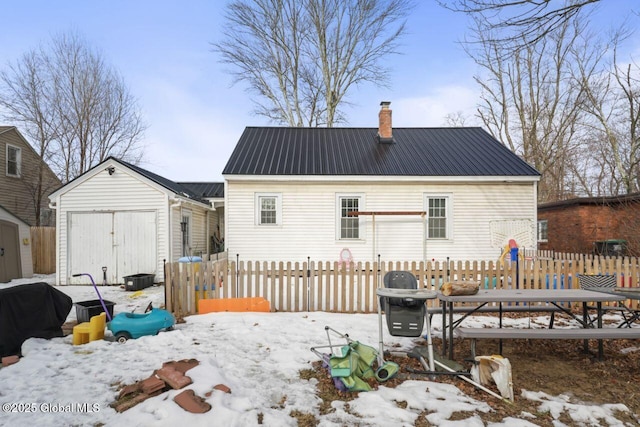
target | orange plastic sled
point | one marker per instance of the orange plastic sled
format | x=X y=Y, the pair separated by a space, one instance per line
x=233 y=304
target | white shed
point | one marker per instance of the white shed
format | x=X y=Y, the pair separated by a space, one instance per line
x=15 y=248
x=129 y=220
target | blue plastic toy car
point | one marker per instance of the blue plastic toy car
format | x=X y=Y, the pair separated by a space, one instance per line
x=125 y=326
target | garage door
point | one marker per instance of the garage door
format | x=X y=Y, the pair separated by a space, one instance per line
x=125 y=242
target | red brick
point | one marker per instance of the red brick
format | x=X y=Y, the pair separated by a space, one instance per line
x=175 y=379
x=9 y=360
x=152 y=384
x=190 y=402
x=181 y=365
x=223 y=388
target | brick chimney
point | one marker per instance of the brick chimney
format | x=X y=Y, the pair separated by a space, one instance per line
x=385 y=134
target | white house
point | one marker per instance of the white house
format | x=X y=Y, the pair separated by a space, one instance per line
x=15 y=247
x=129 y=220
x=419 y=193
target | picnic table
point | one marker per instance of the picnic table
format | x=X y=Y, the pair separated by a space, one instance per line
x=629 y=315
x=555 y=297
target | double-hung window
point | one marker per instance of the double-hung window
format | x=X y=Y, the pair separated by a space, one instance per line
x=349 y=224
x=438 y=209
x=14 y=158
x=542 y=230
x=268 y=209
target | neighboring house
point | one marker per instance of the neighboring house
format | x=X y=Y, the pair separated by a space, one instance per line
x=15 y=247
x=601 y=225
x=22 y=192
x=130 y=220
x=289 y=193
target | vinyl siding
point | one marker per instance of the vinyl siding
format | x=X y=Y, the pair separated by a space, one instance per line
x=309 y=220
x=15 y=192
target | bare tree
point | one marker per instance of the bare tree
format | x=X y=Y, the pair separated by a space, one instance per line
x=76 y=109
x=26 y=105
x=613 y=126
x=529 y=102
x=301 y=58
x=457 y=119
x=519 y=23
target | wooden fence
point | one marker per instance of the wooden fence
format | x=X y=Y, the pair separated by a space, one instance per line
x=43 y=249
x=335 y=287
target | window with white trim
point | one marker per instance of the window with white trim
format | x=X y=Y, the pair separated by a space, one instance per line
x=542 y=230
x=185 y=229
x=268 y=211
x=14 y=159
x=438 y=216
x=349 y=225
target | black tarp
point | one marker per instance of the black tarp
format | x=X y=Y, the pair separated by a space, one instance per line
x=35 y=310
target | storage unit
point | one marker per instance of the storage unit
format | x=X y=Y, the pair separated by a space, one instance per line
x=137 y=282
x=85 y=310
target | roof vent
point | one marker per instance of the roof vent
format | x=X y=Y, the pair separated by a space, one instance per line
x=385 y=133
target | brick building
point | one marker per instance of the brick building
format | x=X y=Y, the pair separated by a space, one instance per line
x=591 y=224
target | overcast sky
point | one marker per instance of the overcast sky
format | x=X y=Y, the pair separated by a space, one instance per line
x=163 y=50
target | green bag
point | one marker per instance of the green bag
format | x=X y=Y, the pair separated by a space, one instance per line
x=354 y=366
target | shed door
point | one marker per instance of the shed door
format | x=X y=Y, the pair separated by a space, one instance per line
x=90 y=246
x=124 y=242
x=9 y=252
x=135 y=243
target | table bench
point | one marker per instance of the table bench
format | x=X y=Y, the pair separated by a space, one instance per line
x=496 y=309
x=511 y=308
x=576 y=334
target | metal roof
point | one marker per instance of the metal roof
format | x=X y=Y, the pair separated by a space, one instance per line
x=209 y=190
x=167 y=183
x=469 y=151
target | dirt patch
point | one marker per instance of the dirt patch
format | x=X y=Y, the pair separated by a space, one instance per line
x=560 y=367
x=555 y=367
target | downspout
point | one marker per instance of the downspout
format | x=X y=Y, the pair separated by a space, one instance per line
x=54 y=205
x=206 y=233
x=172 y=204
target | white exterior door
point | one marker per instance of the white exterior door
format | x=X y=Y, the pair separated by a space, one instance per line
x=90 y=245
x=124 y=242
x=135 y=243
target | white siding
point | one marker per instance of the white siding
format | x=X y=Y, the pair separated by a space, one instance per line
x=122 y=191
x=309 y=220
x=24 y=234
x=199 y=230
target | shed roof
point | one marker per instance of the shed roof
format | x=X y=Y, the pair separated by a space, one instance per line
x=468 y=151
x=167 y=183
x=207 y=190
x=179 y=189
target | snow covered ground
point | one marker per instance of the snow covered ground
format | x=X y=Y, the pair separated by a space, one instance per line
x=257 y=355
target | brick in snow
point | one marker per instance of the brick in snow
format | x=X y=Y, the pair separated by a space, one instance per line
x=152 y=384
x=175 y=379
x=181 y=365
x=191 y=402
x=9 y=360
x=223 y=388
